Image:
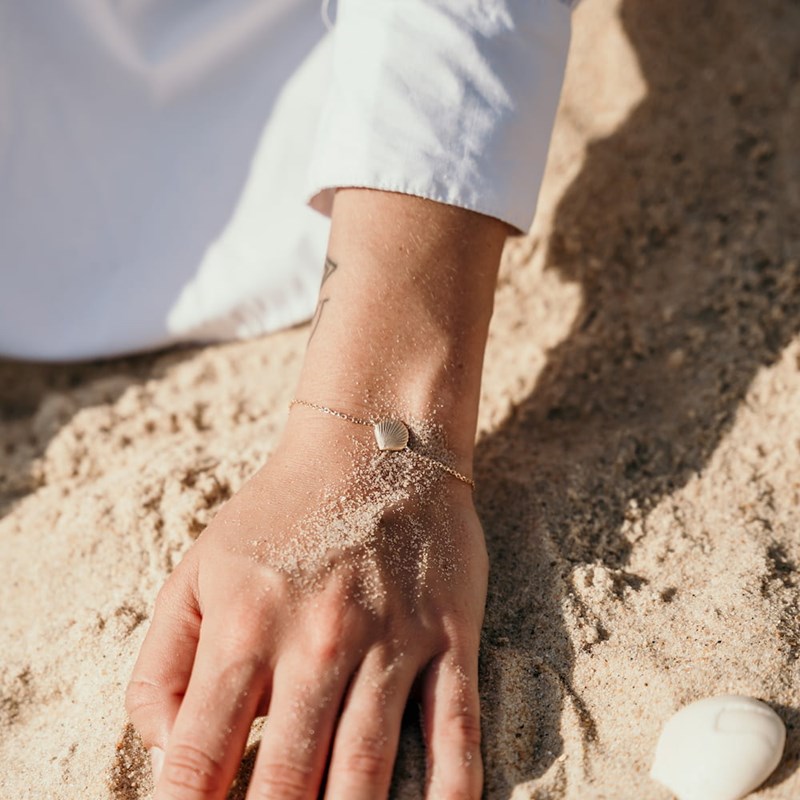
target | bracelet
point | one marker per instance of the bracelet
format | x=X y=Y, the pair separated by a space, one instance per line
x=390 y=434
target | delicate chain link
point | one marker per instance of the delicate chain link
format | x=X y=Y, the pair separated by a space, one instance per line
x=446 y=467
x=358 y=421
x=332 y=412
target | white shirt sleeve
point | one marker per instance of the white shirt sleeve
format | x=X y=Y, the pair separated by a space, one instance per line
x=452 y=100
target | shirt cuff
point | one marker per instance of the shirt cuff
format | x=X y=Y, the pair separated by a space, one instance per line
x=451 y=100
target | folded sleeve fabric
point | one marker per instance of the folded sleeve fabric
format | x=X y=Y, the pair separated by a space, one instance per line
x=452 y=100
x=159 y=158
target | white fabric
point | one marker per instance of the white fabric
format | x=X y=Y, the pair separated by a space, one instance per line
x=158 y=157
x=448 y=99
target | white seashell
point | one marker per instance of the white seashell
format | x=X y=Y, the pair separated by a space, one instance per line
x=391 y=434
x=719 y=748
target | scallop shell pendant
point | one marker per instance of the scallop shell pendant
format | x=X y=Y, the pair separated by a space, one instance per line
x=391 y=434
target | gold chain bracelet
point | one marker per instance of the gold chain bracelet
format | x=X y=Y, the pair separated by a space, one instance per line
x=390 y=434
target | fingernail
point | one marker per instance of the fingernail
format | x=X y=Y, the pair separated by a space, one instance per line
x=157 y=761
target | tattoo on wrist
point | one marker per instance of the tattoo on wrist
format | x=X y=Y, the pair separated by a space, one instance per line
x=317 y=315
x=330 y=267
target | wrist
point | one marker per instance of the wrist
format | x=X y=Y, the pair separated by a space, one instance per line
x=404 y=310
x=384 y=436
x=436 y=396
x=429 y=379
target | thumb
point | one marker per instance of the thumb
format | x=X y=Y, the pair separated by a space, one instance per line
x=162 y=670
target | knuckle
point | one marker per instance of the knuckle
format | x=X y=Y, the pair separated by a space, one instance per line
x=326 y=649
x=282 y=780
x=190 y=769
x=173 y=604
x=327 y=640
x=239 y=671
x=457 y=793
x=461 y=635
x=240 y=643
x=244 y=630
x=141 y=695
x=457 y=785
x=367 y=759
x=466 y=728
x=333 y=624
x=166 y=597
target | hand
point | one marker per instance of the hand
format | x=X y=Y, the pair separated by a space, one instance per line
x=341 y=577
x=336 y=581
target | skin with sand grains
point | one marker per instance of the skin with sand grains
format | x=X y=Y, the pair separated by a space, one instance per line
x=341 y=580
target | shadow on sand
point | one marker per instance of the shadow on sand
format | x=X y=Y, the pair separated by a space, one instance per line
x=683 y=231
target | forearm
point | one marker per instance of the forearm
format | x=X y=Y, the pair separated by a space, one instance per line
x=404 y=310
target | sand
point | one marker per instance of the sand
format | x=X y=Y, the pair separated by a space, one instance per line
x=638 y=463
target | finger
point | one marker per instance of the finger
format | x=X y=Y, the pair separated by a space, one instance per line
x=369 y=729
x=294 y=747
x=229 y=678
x=164 y=665
x=451 y=721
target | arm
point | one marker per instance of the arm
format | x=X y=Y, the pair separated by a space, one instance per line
x=339 y=577
x=404 y=310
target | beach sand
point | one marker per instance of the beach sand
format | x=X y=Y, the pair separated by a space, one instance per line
x=638 y=463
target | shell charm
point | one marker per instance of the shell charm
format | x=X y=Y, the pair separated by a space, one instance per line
x=719 y=748
x=391 y=434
